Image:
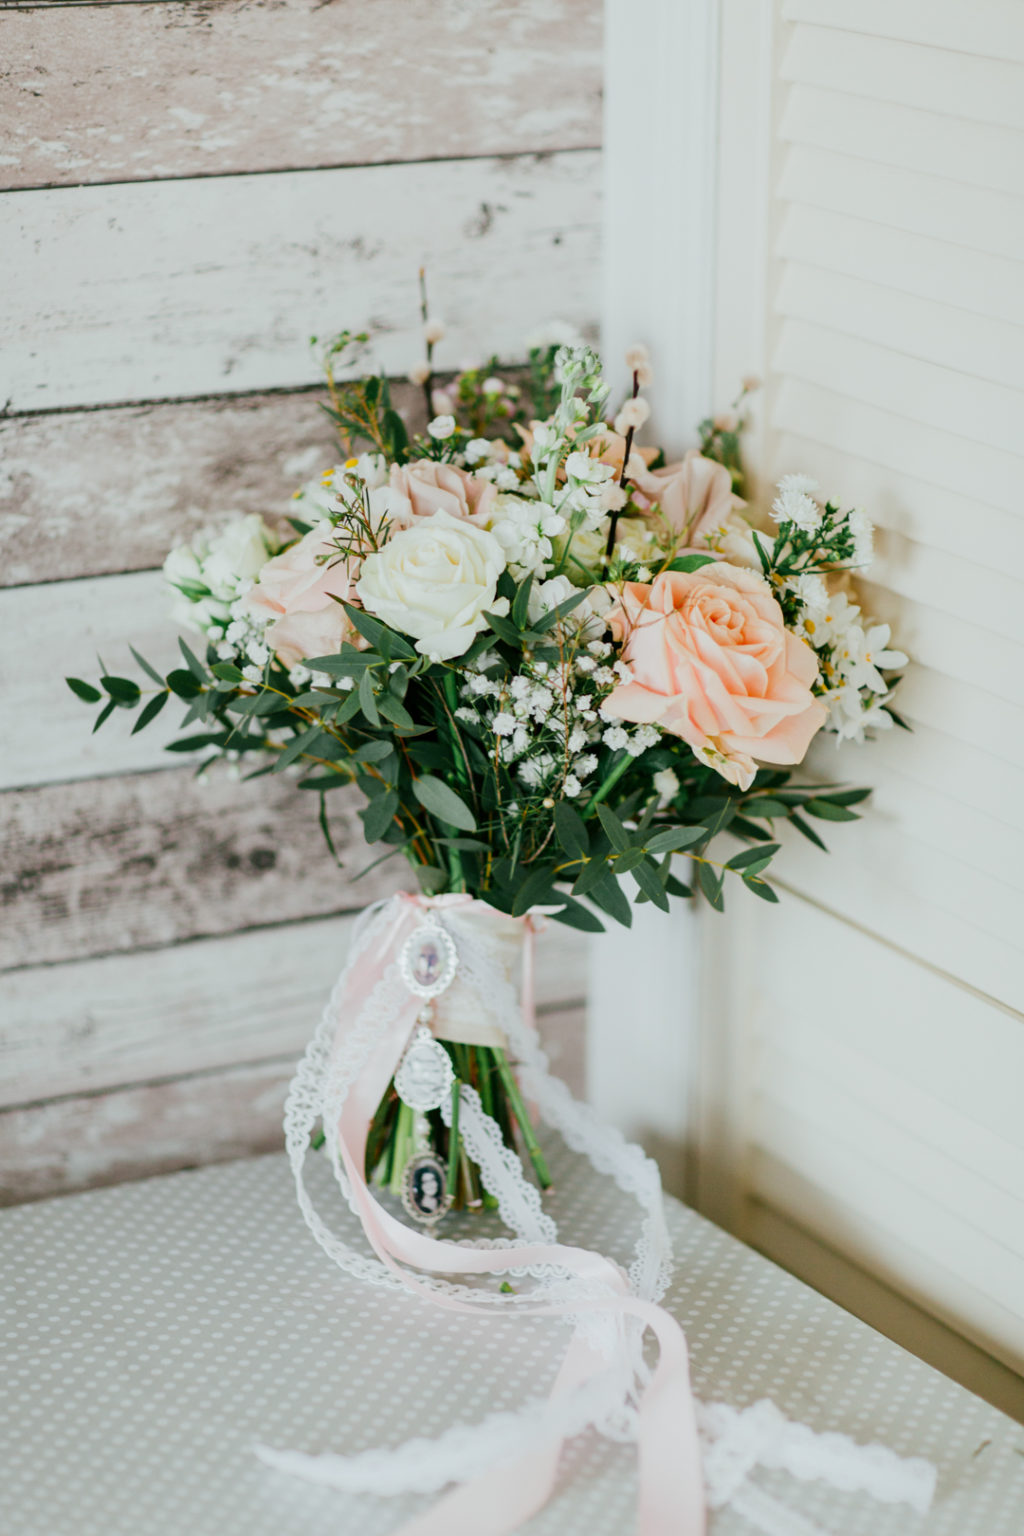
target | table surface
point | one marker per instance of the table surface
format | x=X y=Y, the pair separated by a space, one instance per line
x=154 y=1331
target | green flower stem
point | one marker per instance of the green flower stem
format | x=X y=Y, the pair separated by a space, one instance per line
x=451 y=702
x=453 y=1143
x=515 y=1099
x=470 y=1180
x=609 y=784
x=402 y=1143
x=488 y=1098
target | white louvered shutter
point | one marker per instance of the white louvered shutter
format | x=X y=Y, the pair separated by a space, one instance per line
x=877 y=1112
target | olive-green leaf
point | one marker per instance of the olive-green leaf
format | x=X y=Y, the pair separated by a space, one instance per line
x=441 y=801
x=571 y=830
x=85 y=691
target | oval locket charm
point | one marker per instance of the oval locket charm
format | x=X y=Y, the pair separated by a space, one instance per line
x=428 y=960
x=425 y=1076
x=424 y=1192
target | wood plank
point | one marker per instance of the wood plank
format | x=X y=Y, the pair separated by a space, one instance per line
x=109 y=865
x=181 y=288
x=129 y=1018
x=70 y=1144
x=86 y=493
x=133 y=1133
x=99 y=93
x=58 y=629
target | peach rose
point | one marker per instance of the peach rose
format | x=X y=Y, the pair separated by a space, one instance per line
x=712 y=662
x=695 y=496
x=424 y=487
x=298 y=591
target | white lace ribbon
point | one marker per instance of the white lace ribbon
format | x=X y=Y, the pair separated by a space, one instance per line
x=733 y=1442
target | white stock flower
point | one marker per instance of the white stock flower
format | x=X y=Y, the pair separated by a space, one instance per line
x=215 y=569
x=441 y=428
x=435 y=581
x=524 y=529
x=545 y=441
x=588 y=471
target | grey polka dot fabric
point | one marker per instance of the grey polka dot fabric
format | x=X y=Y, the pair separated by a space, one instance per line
x=152 y=1333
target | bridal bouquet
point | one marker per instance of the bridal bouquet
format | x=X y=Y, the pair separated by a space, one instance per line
x=547 y=659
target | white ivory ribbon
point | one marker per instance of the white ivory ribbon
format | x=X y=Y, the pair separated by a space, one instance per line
x=505 y=1467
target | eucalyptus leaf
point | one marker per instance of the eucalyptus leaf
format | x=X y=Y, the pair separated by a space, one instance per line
x=150 y=711
x=571 y=830
x=441 y=801
x=85 y=691
x=675 y=838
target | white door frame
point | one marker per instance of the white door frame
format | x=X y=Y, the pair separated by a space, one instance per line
x=687 y=110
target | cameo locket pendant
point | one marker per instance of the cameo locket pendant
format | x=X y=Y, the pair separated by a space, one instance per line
x=424 y=1188
x=425 y=1076
x=428 y=960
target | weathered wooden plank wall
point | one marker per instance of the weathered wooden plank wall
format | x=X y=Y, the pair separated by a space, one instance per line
x=187 y=192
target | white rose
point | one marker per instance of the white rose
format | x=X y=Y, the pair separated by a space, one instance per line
x=435 y=581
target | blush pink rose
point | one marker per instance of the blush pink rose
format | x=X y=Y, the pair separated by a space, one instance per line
x=695 y=496
x=298 y=591
x=424 y=487
x=712 y=662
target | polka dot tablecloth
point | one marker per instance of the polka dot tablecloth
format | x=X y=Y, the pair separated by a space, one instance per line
x=152 y=1333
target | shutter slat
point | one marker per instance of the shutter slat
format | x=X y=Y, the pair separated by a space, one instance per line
x=941 y=820
x=977 y=1261
x=902 y=1254
x=922 y=901
x=829 y=1110
x=988 y=414
x=879 y=1074
x=988 y=349
x=928 y=453
x=964 y=711
x=980 y=154
x=994 y=28
x=925 y=756
x=949 y=210
x=958 y=649
x=914 y=264
x=915 y=510
x=983 y=90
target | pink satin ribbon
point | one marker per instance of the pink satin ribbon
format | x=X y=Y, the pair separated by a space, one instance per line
x=671 y=1498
